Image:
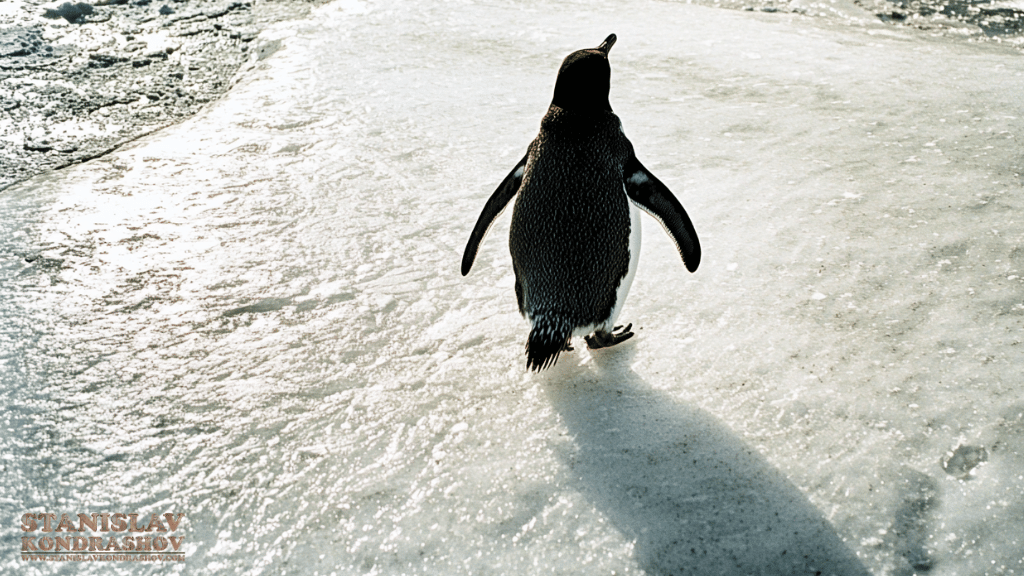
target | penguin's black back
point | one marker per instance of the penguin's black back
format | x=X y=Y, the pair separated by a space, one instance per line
x=570 y=229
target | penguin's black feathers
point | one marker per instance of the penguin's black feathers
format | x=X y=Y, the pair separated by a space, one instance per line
x=549 y=336
x=495 y=206
x=653 y=197
x=584 y=79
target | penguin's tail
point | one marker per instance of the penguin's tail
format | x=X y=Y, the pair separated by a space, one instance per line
x=549 y=336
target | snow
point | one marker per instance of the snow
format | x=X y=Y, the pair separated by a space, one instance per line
x=256 y=318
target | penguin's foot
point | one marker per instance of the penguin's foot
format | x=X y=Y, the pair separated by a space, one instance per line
x=602 y=339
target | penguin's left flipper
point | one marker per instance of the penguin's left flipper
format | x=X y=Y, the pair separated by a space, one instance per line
x=494 y=207
x=602 y=339
x=653 y=197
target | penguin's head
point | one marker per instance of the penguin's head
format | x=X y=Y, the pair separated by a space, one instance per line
x=584 y=79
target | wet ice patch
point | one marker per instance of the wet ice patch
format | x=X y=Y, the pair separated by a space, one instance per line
x=961 y=461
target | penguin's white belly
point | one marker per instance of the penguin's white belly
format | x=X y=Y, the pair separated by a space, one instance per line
x=623 y=290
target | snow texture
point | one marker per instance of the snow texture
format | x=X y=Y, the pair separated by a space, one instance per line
x=256 y=317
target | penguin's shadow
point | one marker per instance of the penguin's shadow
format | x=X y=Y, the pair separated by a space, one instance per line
x=694 y=496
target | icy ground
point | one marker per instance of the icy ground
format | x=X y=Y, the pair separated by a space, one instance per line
x=256 y=317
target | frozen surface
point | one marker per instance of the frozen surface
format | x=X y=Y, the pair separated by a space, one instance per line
x=256 y=317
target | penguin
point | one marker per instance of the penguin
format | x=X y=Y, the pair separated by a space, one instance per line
x=575 y=232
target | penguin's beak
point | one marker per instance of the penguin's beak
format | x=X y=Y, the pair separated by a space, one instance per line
x=607 y=44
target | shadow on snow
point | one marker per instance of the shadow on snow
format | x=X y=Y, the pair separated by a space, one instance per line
x=697 y=499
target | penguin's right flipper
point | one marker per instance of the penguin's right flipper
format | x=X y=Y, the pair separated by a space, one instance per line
x=494 y=207
x=656 y=199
